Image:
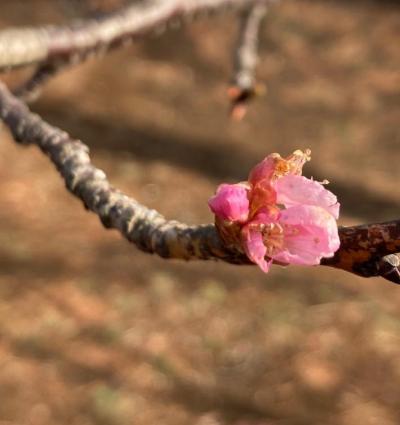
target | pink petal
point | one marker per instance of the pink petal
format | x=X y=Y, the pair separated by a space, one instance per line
x=298 y=190
x=266 y=215
x=310 y=233
x=254 y=247
x=262 y=197
x=263 y=171
x=230 y=202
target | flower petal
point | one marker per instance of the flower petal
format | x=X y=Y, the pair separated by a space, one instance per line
x=310 y=233
x=254 y=247
x=298 y=190
x=274 y=166
x=261 y=197
x=264 y=170
x=230 y=202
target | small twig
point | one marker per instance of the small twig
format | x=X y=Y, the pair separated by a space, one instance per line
x=244 y=86
x=361 y=246
x=389 y=267
x=30 y=89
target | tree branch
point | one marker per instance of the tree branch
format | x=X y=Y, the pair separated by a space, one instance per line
x=367 y=249
x=243 y=86
x=146 y=228
x=55 y=48
x=362 y=247
x=21 y=47
x=30 y=89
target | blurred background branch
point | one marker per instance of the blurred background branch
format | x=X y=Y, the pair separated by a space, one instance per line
x=54 y=48
x=245 y=58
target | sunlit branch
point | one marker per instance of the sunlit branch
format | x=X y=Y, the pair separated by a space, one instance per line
x=21 y=47
x=146 y=228
x=55 y=48
x=361 y=251
x=367 y=249
x=389 y=267
x=243 y=86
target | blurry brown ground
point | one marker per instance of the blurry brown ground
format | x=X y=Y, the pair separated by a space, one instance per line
x=92 y=331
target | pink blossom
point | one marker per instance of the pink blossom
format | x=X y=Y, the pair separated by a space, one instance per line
x=278 y=215
x=230 y=203
x=298 y=190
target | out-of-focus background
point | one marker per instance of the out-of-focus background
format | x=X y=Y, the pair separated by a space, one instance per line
x=92 y=331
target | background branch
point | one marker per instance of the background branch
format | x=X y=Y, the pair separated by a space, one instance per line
x=245 y=58
x=21 y=47
x=55 y=48
x=30 y=90
x=361 y=251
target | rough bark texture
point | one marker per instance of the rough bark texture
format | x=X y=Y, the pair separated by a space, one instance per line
x=146 y=228
x=362 y=250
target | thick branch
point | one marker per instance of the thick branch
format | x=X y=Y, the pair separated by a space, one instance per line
x=364 y=249
x=146 y=228
x=361 y=251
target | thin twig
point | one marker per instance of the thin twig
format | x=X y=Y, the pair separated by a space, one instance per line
x=361 y=251
x=389 y=267
x=243 y=86
x=30 y=89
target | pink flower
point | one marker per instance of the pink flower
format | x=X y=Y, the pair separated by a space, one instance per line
x=230 y=202
x=278 y=215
